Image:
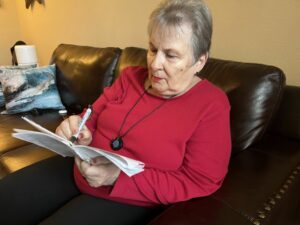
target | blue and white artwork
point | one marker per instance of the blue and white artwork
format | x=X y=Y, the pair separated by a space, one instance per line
x=29 y=89
x=2 y=101
x=4 y=69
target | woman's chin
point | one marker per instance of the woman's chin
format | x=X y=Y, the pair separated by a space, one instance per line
x=158 y=90
x=157 y=86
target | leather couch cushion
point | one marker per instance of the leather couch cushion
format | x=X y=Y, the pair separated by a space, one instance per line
x=24 y=156
x=82 y=73
x=287 y=119
x=204 y=211
x=16 y=154
x=262 y=185
x=254 y=92
x=49 y=119
x=131 y=56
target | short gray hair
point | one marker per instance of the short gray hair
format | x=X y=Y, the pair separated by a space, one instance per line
x=195 y=13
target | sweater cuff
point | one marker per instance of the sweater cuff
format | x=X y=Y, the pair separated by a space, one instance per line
x=125 y=187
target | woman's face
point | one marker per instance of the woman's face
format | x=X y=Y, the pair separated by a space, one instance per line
x=171 y=65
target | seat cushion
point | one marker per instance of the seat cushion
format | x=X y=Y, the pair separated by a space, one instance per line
x=49 y=119
x=16 y=154
x=23 y=156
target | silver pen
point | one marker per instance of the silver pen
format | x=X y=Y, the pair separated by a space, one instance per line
x=85 y=117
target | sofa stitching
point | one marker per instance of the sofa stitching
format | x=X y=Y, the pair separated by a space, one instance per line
x=262 y=214
x=248 y=217
x=278 y=195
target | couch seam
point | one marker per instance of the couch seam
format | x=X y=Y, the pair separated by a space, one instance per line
x=263 y=212
x=246 y=216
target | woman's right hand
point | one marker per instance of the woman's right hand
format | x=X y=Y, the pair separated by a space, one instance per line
x=69 y=127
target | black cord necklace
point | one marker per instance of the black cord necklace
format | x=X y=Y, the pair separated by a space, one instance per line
x=117 y=143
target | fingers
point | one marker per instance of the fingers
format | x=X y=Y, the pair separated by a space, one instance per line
x=83 y=166
x=100 y=160
x=103 y=173
x=85 y=136
x=61 y=130
x=69 y=127
x=88 y=172
x=93 y=183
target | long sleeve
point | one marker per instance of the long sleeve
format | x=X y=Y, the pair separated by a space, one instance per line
x=202 y=171
x=184 y=142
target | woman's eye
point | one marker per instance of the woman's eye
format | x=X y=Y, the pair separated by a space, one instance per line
x=171 y=56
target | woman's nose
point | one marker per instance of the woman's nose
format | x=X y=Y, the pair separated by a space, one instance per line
x=157 y=61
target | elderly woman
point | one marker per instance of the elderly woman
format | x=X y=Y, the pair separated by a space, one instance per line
x=163 y=115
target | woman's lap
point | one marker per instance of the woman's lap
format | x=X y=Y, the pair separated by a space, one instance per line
x=46 y=192
x=31 y=194
x=85 y=209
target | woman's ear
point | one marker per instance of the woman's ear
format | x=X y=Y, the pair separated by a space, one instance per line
x=201 y=62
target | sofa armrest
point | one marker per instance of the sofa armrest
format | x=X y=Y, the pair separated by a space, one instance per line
x=287 y=120
x=201 y=211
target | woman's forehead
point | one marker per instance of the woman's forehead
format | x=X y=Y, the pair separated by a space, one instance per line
x=165 y=32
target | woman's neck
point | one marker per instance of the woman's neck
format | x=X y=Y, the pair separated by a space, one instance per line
x=152 y=91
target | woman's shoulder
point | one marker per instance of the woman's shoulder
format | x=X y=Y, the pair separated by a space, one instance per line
x=134 y=71
x=208 y=86
x=134 y=74
x=212 y=93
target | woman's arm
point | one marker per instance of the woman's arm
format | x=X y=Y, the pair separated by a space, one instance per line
x=70 y=125
x=201 y=173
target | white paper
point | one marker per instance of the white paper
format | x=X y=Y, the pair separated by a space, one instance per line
x=57 y=144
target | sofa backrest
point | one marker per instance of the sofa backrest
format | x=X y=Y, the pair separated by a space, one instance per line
x=82 y=73
x=131 y=56
x=287 y=119
x=254 y=92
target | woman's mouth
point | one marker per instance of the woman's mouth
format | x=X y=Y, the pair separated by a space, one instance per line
x=156 y=79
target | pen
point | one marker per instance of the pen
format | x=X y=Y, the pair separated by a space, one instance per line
x=85 y=117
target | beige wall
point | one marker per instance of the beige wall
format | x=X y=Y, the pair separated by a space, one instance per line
x=9 y=29
x=99 y=23
x=263 y=31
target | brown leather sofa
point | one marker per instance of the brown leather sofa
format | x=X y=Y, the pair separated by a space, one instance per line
x=262 y=186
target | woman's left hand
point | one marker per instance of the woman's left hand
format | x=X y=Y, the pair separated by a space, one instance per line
x=99 y=173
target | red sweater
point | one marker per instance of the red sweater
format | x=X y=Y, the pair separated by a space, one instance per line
x=185 y=144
